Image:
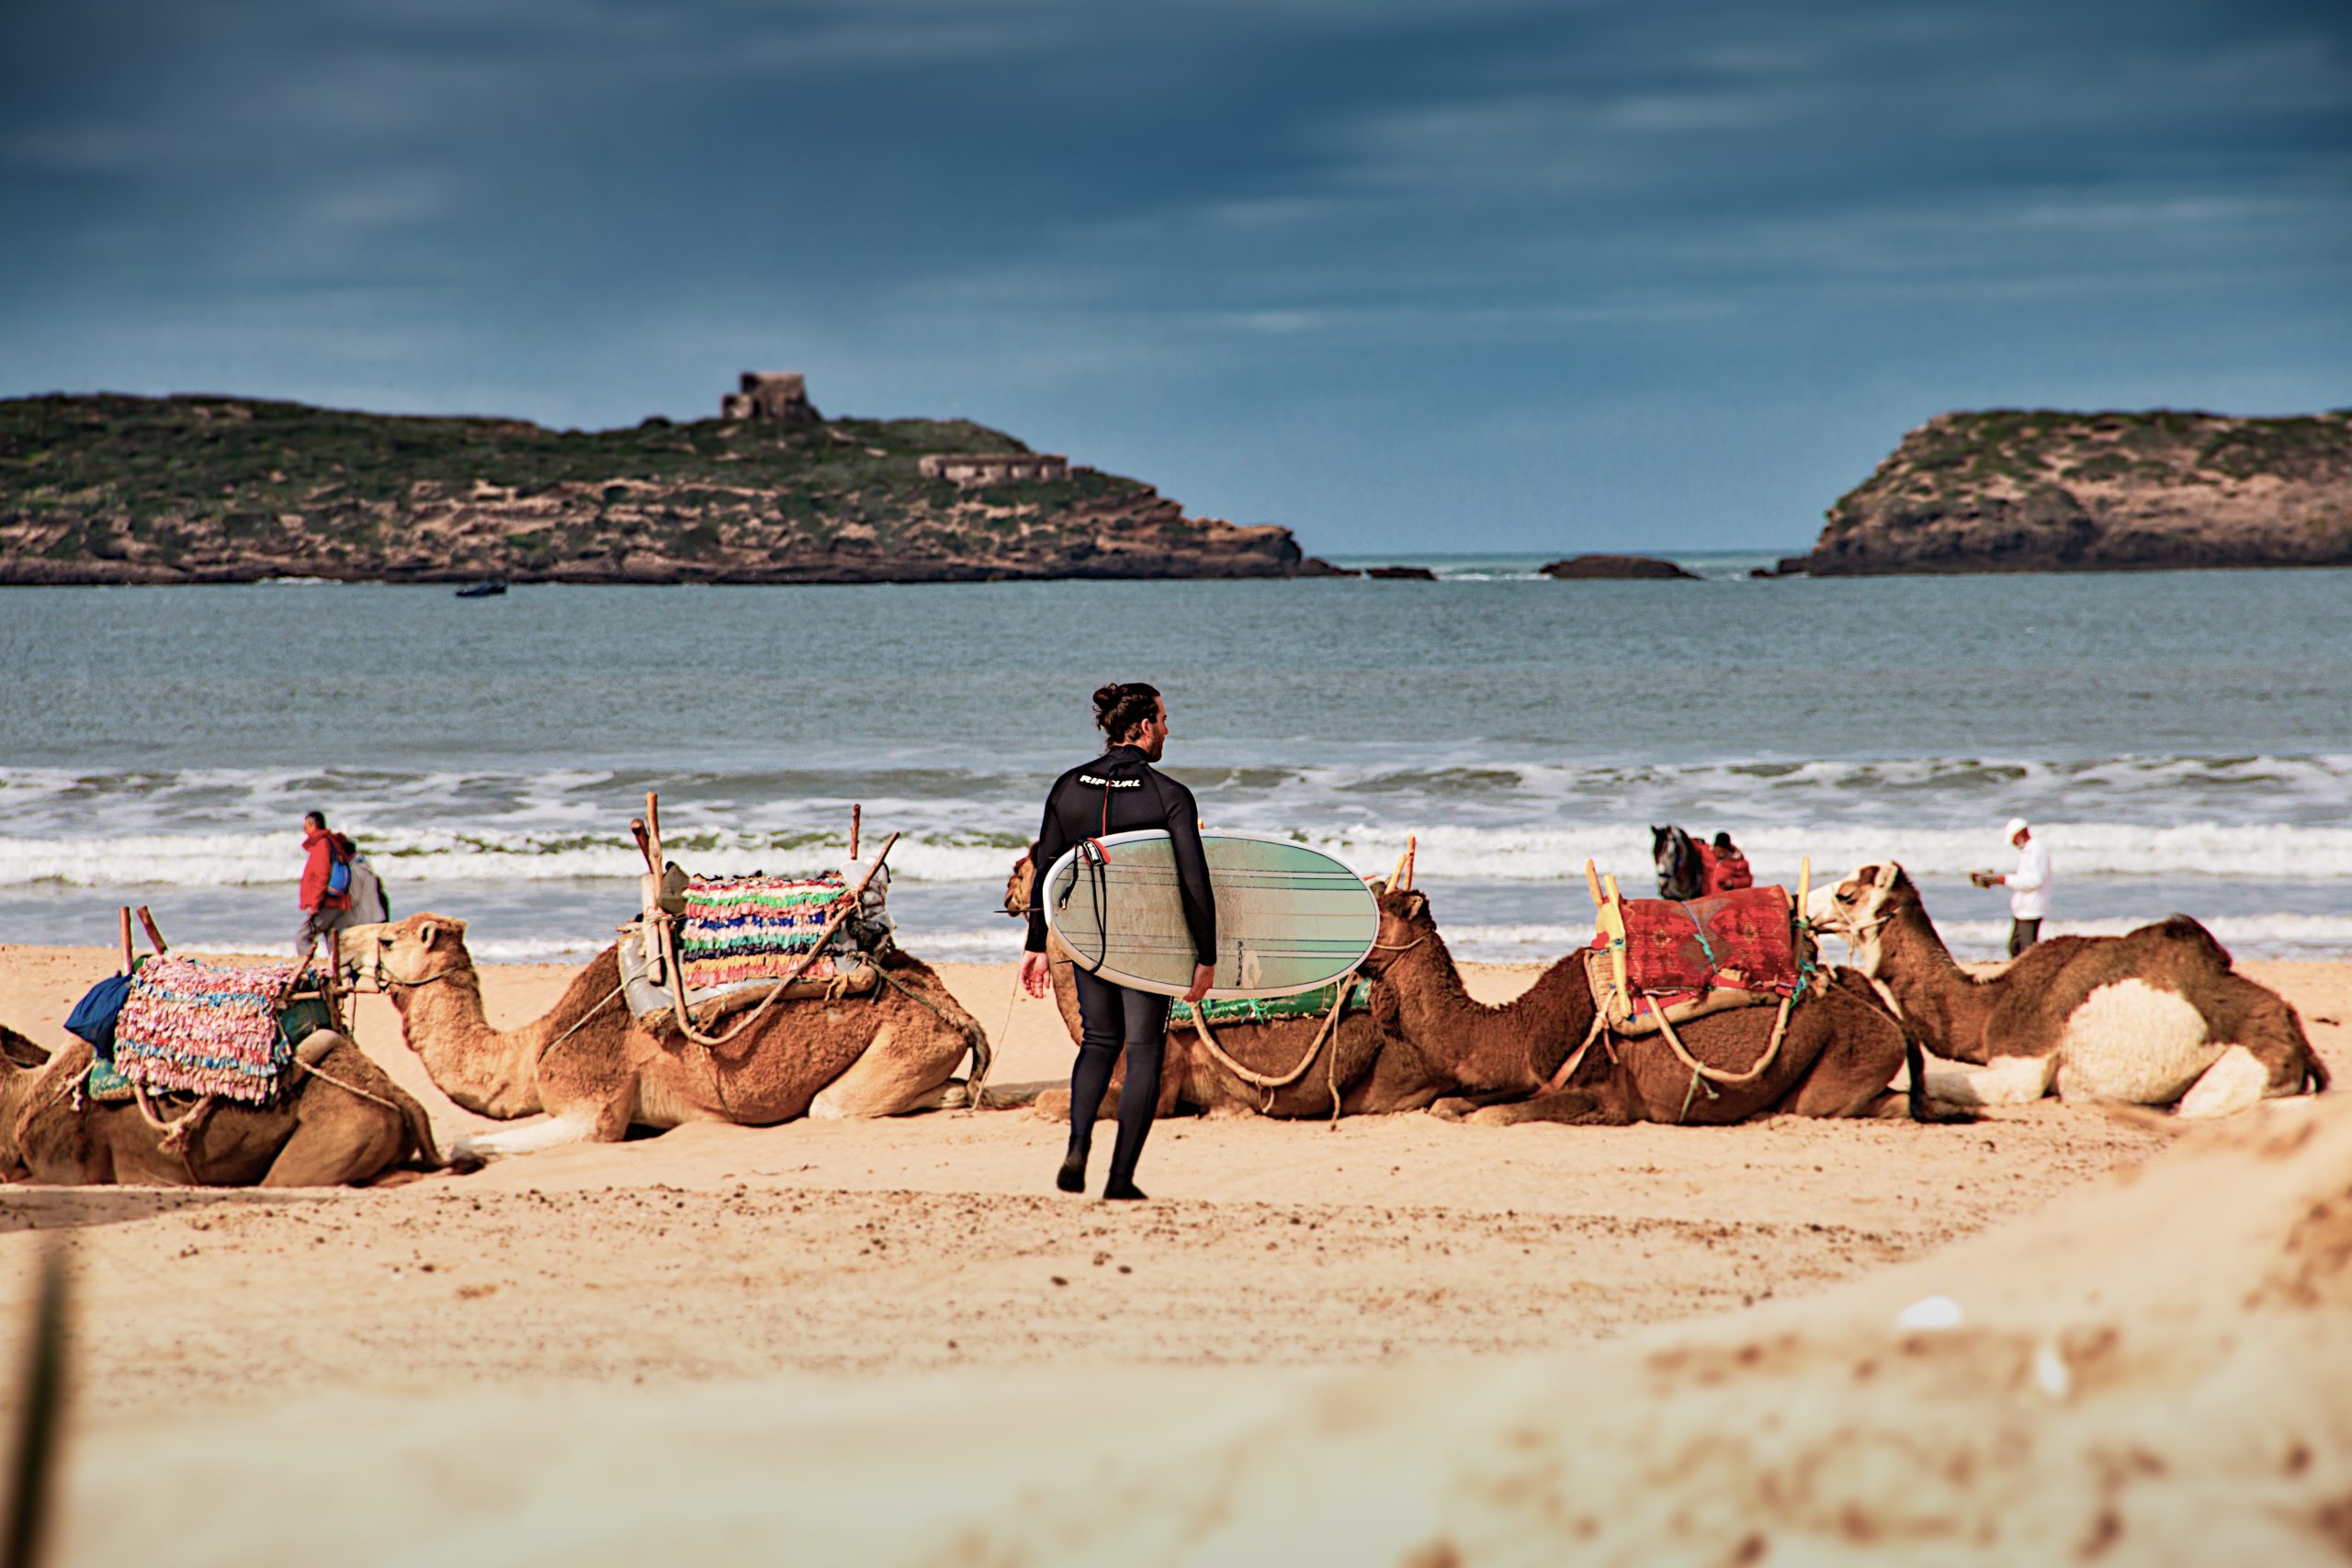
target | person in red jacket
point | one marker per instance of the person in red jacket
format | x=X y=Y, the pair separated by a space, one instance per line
x=1726 y=868
x=325 y=906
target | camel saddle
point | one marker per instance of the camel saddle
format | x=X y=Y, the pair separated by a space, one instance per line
x=218 y=1029
x=1267 y=1009
x=832 y=976
x=1688 y=958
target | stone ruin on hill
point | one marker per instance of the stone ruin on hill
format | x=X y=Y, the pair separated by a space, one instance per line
x=770 y=394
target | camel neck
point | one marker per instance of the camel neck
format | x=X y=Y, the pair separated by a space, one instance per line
x=1910 y=944
x=1948 y=1004
x=16 y=1084
x=1485 y=1046
x=486 y=1071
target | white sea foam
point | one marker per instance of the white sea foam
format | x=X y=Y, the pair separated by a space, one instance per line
x=2267 y=853
x=246 y=860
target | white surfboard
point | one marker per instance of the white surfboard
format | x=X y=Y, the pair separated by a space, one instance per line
x=1288 y=918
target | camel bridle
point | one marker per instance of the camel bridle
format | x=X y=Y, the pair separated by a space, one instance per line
x=387 y=982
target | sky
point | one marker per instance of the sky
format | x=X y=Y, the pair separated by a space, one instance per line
x=1406 y=275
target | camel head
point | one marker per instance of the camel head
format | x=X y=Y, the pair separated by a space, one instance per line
x=1857 y=908
x=410 y=953
x=1405 y=920
x=19 y=1051
x=1017 y=885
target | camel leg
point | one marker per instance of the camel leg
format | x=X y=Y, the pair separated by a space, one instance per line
x=2232 y=1084
x=2270 y=1031
x=2005 y=1080
x=1573 y=1107
x=1459 y=1107
x=1850 y=1073
x=336 y=1151
x=555 y=1132
x=889 y=1078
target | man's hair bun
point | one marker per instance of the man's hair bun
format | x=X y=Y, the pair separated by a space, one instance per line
x=1119 y=707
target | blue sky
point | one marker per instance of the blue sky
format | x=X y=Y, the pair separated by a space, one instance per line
x=1405 y=276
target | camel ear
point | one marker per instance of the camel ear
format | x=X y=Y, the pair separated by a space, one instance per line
x=427 y=933
x=1415 y=905
x=1887 y=874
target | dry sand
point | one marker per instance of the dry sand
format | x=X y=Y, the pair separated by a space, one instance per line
x=475 y=1344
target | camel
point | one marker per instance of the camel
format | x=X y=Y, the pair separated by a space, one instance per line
x=597 y=1072
x=346 y=1123
x=2153 y=1017
x=1841 y=1051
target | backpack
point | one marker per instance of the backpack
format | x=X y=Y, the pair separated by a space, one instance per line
x=94 y=1017
x=338 y=874
x=368 y=904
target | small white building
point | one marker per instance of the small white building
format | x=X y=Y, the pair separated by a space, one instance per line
x=970 y=468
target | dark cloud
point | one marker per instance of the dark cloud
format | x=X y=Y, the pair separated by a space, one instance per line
x=1401 y=275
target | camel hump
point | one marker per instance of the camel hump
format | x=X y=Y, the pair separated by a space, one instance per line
x=2188 y=929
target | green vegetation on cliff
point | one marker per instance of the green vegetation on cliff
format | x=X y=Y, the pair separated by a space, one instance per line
x=120 y=489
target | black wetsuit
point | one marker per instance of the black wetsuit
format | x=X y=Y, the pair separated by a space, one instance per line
x=1121 y=792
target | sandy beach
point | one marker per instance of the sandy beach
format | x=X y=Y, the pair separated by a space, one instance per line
x=868 y=1259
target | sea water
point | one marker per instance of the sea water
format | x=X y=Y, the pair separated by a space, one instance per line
x=2182 y=740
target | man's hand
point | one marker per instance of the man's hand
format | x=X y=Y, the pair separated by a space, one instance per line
x=1037 y=974
x=1203 y=975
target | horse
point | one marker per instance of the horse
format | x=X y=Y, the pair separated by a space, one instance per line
x=1681 y=873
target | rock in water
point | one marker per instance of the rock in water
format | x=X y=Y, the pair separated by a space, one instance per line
x=2018 y=491
x=1615 y=568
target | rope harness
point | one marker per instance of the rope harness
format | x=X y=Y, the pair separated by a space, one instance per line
x=1270 y=1084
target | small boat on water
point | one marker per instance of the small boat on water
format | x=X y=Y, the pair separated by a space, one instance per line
x=487 y=590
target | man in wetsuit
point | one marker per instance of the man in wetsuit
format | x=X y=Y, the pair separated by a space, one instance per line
x=1120 y=791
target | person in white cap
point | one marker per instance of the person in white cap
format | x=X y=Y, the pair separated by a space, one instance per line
x=2029 y=886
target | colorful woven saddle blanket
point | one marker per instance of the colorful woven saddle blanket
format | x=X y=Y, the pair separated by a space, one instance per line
x=1740 y=941
x=752 y=928
x=832 y=975
x=1267 y=1009
x=206 y=1027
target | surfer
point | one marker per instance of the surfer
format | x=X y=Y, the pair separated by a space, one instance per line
x=1121 y=792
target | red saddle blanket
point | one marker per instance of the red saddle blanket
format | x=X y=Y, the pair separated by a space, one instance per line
x=1740 y=941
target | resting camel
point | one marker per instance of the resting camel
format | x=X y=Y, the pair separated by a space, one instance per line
x=2149 y=1018
x=597 y=1072
x=347 y=1122
x=1841 y=1050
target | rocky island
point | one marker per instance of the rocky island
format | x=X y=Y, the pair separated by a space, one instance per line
x=1615 y=569
x=108 y=488
x=2037 y=490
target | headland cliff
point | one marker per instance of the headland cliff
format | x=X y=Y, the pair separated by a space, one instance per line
x=108 y=489
x=2037 y=490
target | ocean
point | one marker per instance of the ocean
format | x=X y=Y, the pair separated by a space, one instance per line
x=2182 y=740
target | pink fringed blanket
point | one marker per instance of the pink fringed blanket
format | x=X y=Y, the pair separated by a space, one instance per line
x=208 y=1028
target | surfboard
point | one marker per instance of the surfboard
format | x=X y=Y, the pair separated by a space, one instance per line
x=1288 y=918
